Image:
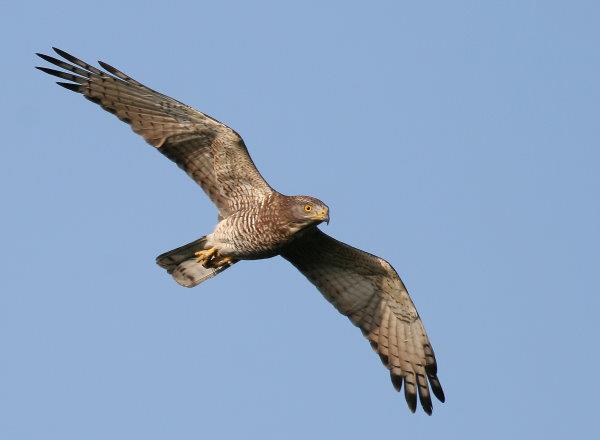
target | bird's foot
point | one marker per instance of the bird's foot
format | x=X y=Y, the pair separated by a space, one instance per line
x=205 y=256
x=225 y=261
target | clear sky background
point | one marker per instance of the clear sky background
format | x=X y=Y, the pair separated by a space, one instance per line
x=459 y=140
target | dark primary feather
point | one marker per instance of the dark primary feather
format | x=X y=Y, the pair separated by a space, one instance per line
x=69 y=86
x=211 y=153
x=119 y=74
x=63 y=75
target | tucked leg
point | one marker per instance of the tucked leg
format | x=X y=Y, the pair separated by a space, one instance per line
x=205 y=256
x=223 y=261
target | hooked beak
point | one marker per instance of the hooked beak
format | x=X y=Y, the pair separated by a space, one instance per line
x=323 y=215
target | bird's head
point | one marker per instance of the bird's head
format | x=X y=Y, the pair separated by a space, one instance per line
x=307 y=211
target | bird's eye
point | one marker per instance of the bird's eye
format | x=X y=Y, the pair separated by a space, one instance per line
x=307 y=208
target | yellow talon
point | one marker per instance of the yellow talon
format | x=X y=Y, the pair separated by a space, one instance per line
x=203 y=257
x=209 y=258
x=224 y=261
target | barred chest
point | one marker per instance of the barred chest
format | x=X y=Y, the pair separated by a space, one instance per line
x=258 y=232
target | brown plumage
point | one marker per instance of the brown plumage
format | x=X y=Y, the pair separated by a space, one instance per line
x=256 y=222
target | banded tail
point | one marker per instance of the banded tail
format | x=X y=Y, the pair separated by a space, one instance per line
x=181 y=264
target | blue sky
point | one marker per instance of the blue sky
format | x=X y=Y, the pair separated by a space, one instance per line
x=459 y=140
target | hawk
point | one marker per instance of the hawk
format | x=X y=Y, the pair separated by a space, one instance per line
x=255 y=222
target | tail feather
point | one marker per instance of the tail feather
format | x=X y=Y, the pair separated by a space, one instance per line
x=181 y=264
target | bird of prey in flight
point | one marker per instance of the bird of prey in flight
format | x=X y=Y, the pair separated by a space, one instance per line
x=255 y=222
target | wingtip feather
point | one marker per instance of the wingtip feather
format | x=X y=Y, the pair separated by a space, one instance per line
x=61 y=52
x=396 y=381
x=61 y=74
x=436 y=387
x=70 y=86
x=105 y=65
x=426 y=403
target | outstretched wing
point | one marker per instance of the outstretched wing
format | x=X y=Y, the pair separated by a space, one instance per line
x=208 y=151
x=368 y=290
